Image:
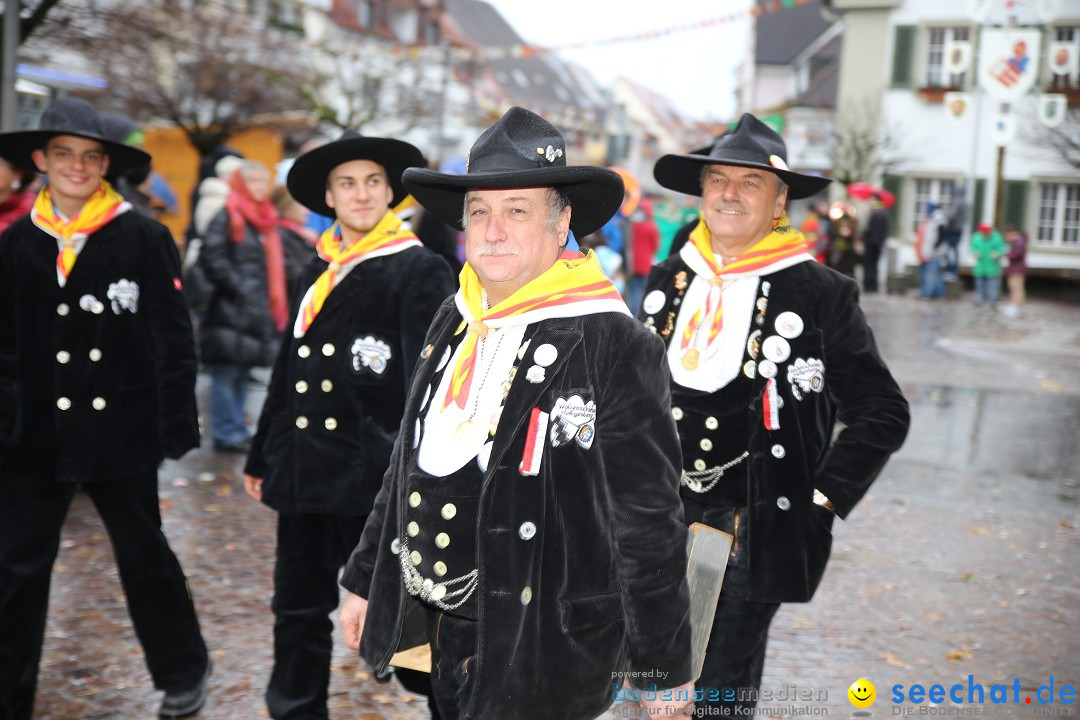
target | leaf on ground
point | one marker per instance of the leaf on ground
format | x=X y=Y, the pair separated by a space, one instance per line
x=934 y=616
x=958 y=655
x=224 y=490
x=803 y=624
x=165 y=504
x=211 y=508
x=893 y=660
x=978 y=531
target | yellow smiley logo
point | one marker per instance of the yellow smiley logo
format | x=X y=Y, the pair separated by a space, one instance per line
x=862 y=693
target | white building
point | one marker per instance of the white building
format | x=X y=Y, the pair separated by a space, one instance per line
x=894 y=58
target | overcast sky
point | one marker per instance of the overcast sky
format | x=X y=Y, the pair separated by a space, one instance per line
x=695 y=68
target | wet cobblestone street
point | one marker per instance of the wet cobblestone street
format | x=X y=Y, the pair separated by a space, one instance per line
x=963 y=559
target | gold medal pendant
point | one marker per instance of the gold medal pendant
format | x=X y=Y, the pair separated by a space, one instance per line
x=470 y=434
x=690 y=359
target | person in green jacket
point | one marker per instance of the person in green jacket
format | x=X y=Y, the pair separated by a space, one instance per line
x=987 y=249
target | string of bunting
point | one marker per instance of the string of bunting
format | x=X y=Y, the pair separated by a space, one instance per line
x=521 y=50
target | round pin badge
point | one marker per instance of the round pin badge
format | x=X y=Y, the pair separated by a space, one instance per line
x=654 y=302
x=767 y=369
x=545 y=355
x=789 y=325
x=749 y=369
x=776 y=348
x=753 y=344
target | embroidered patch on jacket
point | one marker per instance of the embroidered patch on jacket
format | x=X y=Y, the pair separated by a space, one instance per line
x=806 y=376
x=573 y=419
x=371 y=353
x=124 y=295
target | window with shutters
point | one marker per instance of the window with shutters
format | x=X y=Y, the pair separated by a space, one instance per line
x=1066 y=34
x=939 y=191
x=1059 y=215
x=935 y=74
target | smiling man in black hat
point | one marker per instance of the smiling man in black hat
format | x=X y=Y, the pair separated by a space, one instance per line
x=529 y=526
x=337 y=393
x=767 y=349
x=97 y=386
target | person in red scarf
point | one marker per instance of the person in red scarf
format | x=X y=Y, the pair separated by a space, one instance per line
x=766 y=349
x=244 y=262
x=97 y=387
x=18 y=190
x=297 y=240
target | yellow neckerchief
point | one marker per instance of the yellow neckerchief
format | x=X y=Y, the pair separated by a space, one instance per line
x=782 y=243
x=574 y=285
x=386 y=237
x=101 y=207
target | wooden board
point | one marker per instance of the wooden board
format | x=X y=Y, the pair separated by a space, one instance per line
x=707 y=550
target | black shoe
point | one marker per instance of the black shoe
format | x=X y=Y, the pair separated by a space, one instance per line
x=181 y=703
x=242 y=446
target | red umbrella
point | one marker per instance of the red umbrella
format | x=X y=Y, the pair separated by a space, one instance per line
x=865 y=191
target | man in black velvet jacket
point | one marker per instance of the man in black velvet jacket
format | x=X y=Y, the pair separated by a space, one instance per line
x=97 y=386
x=336 y=395
x=767 y=349
x=529 y=525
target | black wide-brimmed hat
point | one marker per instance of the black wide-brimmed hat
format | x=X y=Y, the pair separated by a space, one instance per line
x=307 y=176
x=68 y=116
x=521 y=150
x=751 y=144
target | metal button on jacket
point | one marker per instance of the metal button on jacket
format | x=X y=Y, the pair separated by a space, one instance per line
x=303 y=351
x=63 y=403
x=783 y=503
x=778 y=451
x=330 y=423
x=328 y=349
x=706 y=444
x=301 y=422
x=414 y=499
x=439 y=568
x=712 y=423
x=527 y=530
x=301 y=386
x=526 y=595
x=676 y=413
x=415 y=557
x=699 y=464
x=95 y=355
x=442 y=540
x=63 y=357
x=449 y=510
x=98 y=403
x=395 y=546
x=62 y=309
x=414 y=529
x=326 y=385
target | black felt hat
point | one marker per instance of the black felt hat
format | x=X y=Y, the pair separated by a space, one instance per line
x=521 y=150
x=751 y=144
x=68 y=116
x=307 y=176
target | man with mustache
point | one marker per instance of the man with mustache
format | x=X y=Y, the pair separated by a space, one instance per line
x=529 y=526
x=766 y=349
x=337 y=393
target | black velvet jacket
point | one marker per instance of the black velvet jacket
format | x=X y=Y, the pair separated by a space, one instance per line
x=790 y=537
x=97 y=378
x=335 y=400
x=606 y=566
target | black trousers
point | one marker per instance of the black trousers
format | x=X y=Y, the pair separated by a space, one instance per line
x=453 y=652
x=311 y=550
x=871 y=257
x=735 y=656
x=32 y=511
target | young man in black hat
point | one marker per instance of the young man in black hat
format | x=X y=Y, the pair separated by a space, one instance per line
x=766 y=349
x=337 y=394
x=529 y=526
x=97 y=386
